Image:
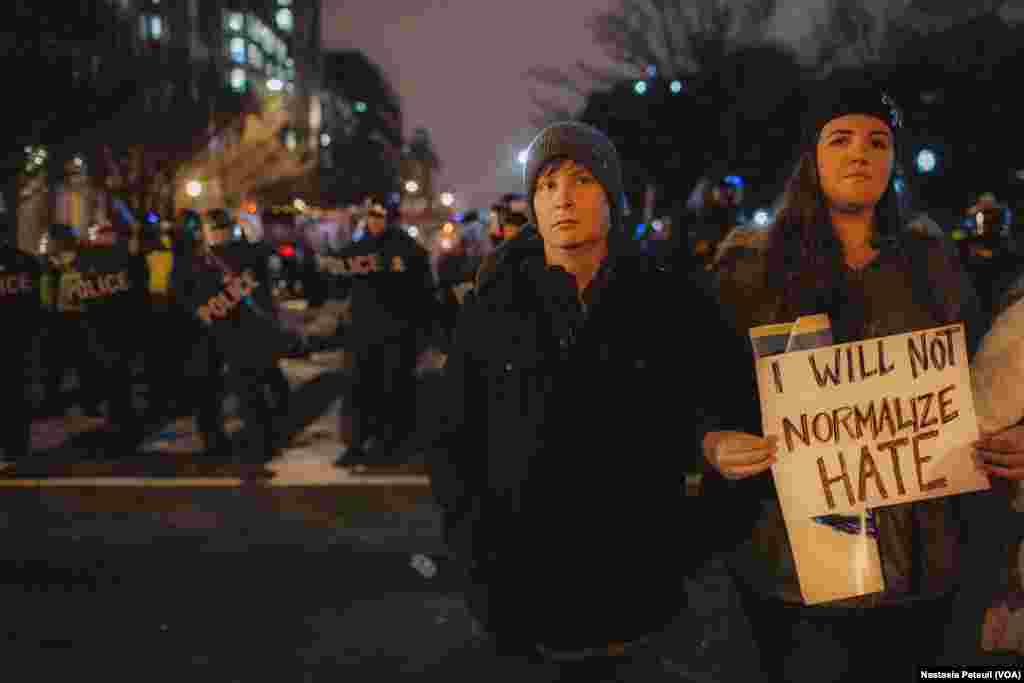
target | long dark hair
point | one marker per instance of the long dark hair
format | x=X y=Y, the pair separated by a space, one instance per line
x=804 y=260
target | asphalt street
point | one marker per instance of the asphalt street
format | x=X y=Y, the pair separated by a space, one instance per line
x=160 y=565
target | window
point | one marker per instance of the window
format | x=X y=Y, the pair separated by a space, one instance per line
x=238 y=50
x=235 y=22
x=256 y=29
x=151 y=27
x=255 y=56
x=238 y=80
x=284 y=19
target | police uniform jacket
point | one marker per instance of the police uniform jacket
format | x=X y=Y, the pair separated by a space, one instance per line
x=390 y=285
x=228 y=291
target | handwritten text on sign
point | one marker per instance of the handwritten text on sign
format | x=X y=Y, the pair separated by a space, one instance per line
x=871 y=423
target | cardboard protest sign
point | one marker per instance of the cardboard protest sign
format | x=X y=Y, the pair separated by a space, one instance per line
x=836 y=556
x=871 y=423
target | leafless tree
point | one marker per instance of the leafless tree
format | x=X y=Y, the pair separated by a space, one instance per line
x=674 y=38
x=849 y=33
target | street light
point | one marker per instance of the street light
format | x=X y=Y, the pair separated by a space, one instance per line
x=193 y=188
x=926 y=160
x=447 y=198
x=762 y=218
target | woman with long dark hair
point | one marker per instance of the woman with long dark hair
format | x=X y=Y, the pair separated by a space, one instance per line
x=839 y=246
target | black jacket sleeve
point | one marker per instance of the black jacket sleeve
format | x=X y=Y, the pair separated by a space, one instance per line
x=732 y=404
x=457 y=449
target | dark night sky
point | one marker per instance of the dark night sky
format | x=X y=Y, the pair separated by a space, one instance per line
x=459 y=65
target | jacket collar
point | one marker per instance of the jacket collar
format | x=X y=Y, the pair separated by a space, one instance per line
x=527 y=247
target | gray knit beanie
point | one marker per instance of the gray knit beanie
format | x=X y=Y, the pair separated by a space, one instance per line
x=585 y=145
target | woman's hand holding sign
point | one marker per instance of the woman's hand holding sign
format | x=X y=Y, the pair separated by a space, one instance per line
x=738 y=455
x=1002 y=454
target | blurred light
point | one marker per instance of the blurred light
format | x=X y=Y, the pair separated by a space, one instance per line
x=286 y=250
x=275 y=85
x=458 y=216
x=979 y=218
x=250 y=207
x=1020 y=174
x=523 y=155
x=448 y=228
x=658 y=226
x=676 y=87
x=193 y=188
x=290 y=140
x=300 y=205
x=413 y=231
x=284 y=19
x=412 y=187
x=446 y=243
x=734 y=180
x=238 y=232
x=640 y=87
x=152 y=218
x=325 y=139
x=652 y=71
x=899 y=185
x=360 y=107
x=762 y=217
x=77 y=161
x=640 y=229
x=926 y=161
x=447 y=198
x=238 y=79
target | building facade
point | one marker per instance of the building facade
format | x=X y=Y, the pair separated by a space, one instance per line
x=251 y=68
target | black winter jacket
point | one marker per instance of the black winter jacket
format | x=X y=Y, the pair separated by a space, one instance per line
x=561 y=466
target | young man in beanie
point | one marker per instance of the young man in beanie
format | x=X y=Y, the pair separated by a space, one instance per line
x=558 y=456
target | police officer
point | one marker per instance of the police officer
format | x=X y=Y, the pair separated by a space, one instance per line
x=392 y=311
x=256 y=257
x=113 y=289
x=226 y=287
x=20 y=298
x=166 y=332
x=66 y=343
x=204 y=371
